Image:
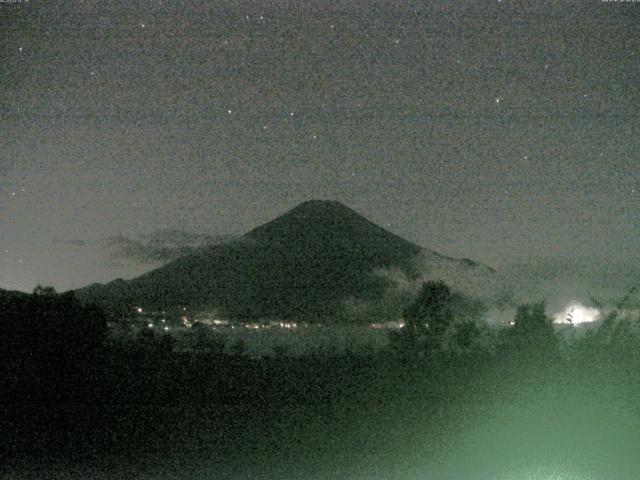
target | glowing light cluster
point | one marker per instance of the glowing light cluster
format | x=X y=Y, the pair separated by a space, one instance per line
x=576 y=313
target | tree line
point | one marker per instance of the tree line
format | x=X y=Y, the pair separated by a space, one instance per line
x=54 y=340
x=441 y=324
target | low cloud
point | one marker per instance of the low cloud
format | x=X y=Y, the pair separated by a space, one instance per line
x=563 y=281
x=160 y=246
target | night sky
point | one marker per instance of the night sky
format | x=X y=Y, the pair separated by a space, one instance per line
x=495 y=130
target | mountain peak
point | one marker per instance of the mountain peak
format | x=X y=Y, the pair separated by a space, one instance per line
x=315 y=203
x=330 y=223
x=322 y=208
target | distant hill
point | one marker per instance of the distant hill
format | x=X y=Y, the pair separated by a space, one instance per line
x=303 y=264
x=11 y=294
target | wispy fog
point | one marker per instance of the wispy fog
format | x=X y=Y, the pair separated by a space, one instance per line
x=562 y=281
x=160 y=246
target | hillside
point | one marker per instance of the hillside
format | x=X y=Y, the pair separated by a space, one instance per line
x=303 y=264
x=11 y=294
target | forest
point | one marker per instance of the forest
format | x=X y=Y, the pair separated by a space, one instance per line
x=450 y=395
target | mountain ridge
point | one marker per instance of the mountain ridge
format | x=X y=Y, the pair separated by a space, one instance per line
x=302 y=264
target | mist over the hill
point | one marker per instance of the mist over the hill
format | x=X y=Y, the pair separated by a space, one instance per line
x=560 y=280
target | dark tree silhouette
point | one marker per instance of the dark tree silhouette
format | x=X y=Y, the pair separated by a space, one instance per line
x=431 y=312
x=533 y=335
x=426 y=319
x=532 y=321
x=44 y=291
x=50 y=339
x=440 y=321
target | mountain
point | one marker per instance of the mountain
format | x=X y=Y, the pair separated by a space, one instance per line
x=303 y=264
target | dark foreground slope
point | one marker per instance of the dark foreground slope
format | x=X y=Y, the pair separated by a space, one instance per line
x=167 y=416
x=136 y=407
x=303 y=264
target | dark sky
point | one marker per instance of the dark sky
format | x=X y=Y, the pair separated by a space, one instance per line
x=495 y=130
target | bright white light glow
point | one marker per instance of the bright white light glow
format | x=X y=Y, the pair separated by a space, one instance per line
x=576 y=313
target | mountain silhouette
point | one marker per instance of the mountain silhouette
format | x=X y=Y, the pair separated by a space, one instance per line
x=12 y=294
x=303 y=264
